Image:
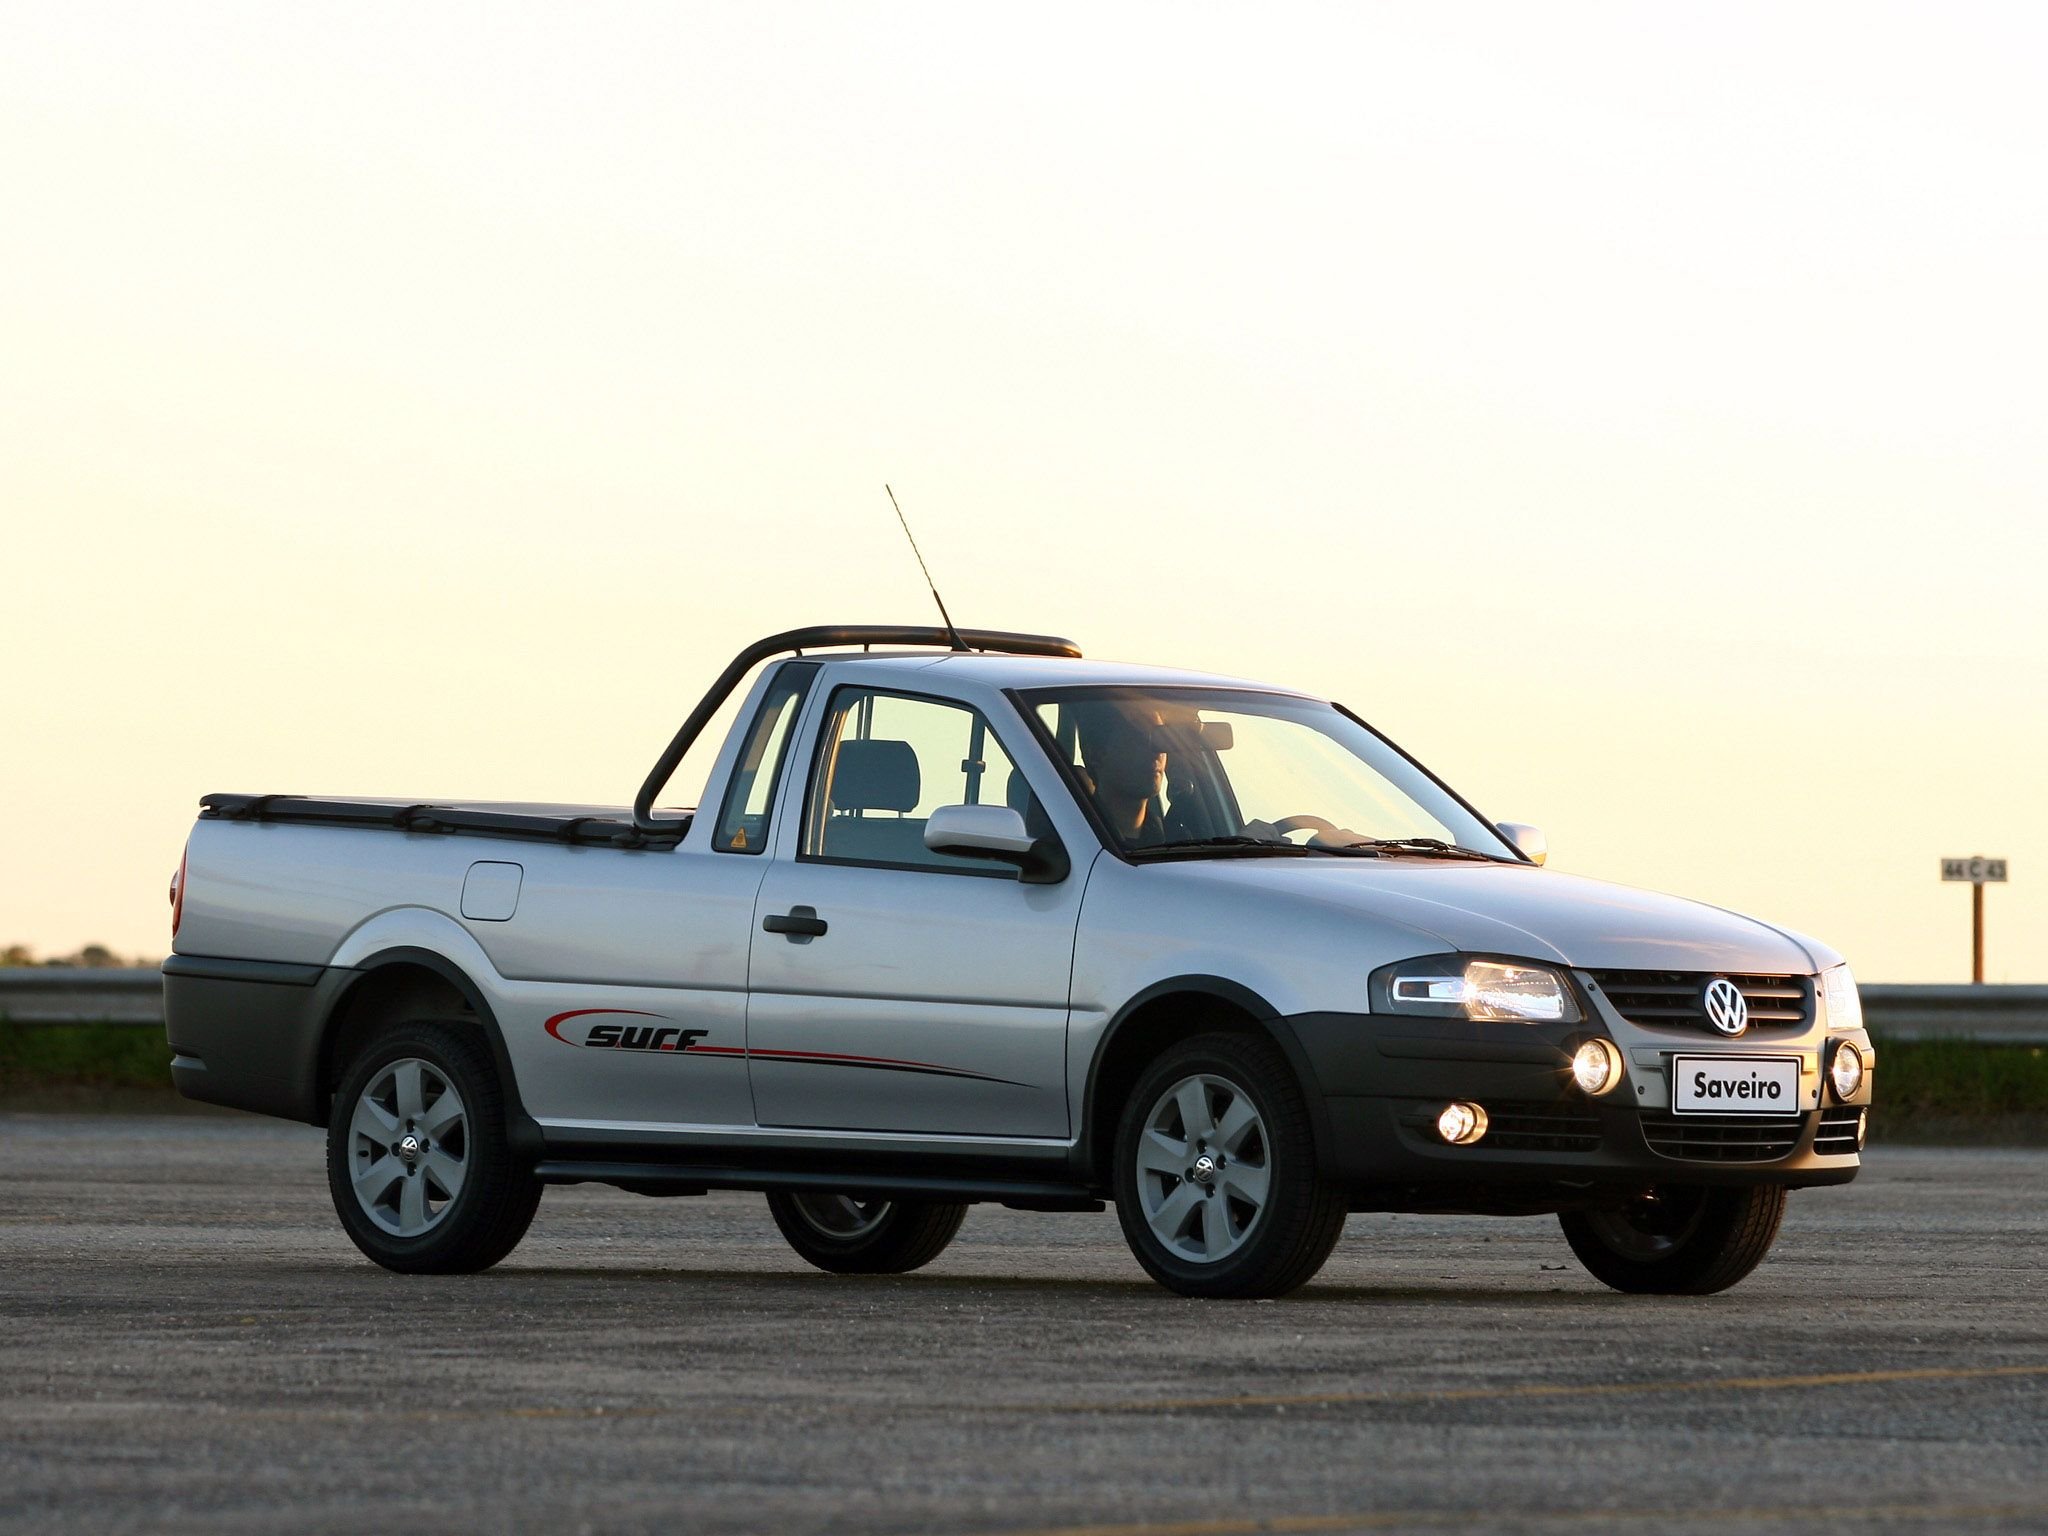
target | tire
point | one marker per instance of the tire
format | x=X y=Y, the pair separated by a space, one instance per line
x=1215 y=1177
x=1685 y=1241
x=396 y=1201
x=851 y=1236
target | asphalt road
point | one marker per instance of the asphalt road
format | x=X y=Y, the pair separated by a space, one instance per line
x=188 y=1343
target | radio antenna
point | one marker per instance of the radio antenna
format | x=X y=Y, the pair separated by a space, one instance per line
x=958 y=643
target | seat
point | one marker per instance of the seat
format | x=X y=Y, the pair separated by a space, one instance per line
x=868 y=777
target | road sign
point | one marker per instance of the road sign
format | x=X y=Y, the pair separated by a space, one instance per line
x=1977 y=871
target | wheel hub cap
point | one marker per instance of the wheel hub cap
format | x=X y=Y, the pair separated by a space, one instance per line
x=1203 y=1168
x=408 y=1147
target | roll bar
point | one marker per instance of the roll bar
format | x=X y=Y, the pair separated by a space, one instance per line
x=800 y=640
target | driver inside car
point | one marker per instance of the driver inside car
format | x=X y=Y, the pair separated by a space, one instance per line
x=1125 y=759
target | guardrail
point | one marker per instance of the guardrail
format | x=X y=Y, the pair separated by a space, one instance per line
x=1990 y=1015
x=1997 y=1015
x=63 y=994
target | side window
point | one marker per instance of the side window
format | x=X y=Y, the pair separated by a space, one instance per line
x=750 y=794
x=886 y=761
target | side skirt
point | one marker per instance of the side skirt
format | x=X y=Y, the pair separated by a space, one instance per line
x=679 y=1178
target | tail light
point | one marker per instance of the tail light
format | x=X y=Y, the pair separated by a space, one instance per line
x=178 y=893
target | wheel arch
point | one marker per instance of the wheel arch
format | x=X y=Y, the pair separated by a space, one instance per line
x=404 y=982
x=1163 y=1012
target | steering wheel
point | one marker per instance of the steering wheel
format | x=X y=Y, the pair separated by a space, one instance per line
x=1315 y=824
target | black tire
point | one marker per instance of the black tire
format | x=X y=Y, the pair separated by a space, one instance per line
x=1687 y=1241
x=1289 y=1235
x=851 y=1236
x=494 y=1205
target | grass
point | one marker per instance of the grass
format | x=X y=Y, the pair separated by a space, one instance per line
x=82 y=1056
x=1927 y=1090
x=1957 y=1091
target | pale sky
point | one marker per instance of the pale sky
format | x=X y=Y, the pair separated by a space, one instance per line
x=1637 y=411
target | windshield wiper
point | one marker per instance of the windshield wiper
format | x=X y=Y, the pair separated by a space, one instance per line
x=1232 y=844
x=1432 y=846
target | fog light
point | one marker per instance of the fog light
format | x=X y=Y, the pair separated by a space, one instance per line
x=1845 y=1071
x=1596 y=1067
x=1461 y=1124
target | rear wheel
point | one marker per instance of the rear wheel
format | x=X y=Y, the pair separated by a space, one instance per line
x=1679 y=1240
x=851 y=1235
x=1216 y=1182
x=417 y=1160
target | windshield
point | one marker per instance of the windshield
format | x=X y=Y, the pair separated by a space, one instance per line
x=1226 y=771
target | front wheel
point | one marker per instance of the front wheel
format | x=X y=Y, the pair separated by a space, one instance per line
x=1216 y=1182
x=417 y=1161
x=1679 y=1240
x=849 y=1235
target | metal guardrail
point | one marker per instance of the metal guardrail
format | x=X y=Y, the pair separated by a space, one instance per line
x=1989 y=1014
x=64 y=994
x=1997 y=1015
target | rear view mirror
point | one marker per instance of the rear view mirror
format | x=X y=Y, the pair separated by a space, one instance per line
x=1218 y=735
x=1526 y=840
x=997 y=833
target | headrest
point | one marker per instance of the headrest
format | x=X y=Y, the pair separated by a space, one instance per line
x=875 y=776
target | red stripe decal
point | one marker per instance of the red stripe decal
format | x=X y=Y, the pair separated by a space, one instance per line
x=827 y=1057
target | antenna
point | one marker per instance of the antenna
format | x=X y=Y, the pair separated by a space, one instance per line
x=958 y=643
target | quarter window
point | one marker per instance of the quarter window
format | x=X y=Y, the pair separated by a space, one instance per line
x=750 y=796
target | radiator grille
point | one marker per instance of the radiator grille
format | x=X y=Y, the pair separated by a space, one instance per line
x=1837 y=1135
x=1673 y=999
x=1722 y=1138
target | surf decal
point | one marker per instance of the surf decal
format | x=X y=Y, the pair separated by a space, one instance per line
x=601 y=1029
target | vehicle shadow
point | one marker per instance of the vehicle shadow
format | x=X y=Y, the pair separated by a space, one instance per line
x=810 y=1284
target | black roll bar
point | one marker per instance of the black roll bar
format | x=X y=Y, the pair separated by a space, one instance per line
x=809 y=639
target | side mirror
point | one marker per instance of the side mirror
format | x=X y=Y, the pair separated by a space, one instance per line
x=996 y=833
x=1528 y=841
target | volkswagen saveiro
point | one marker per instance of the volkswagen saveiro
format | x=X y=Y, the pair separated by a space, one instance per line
x=997 y=923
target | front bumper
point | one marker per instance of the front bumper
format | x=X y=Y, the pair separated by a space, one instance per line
x=1384 y=1078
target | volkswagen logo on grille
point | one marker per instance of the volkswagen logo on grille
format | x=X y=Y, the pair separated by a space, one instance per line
x=1727 y=1008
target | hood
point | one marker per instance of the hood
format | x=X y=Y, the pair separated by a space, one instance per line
x=1521 y=911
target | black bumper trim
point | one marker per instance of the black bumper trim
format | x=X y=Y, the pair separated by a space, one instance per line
x=246 y=1034
x=1381 y=1080
x=220 y=968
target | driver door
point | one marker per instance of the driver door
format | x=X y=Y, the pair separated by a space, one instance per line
x=895 y=989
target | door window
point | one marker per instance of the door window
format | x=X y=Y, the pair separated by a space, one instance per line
x=886 y=761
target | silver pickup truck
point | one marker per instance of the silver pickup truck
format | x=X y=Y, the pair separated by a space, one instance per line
x=965 y=917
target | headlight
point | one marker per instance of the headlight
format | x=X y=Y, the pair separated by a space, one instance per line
x=1452 y=987
x=1845 y=1006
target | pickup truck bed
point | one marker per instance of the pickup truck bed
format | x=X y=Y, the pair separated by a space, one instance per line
x=603 y=825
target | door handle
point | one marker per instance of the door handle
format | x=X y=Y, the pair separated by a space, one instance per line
x=797 y=923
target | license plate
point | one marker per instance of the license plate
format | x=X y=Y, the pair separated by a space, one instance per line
x=1735 y=1085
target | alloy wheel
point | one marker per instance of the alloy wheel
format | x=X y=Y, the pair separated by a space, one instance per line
x=408 y=1147
x=1204 y=1173
x=841 y=1216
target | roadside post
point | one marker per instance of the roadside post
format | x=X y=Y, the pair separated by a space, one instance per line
x=1979 y=871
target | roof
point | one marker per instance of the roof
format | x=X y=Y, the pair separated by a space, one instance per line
x=1000 y=670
